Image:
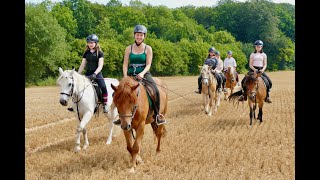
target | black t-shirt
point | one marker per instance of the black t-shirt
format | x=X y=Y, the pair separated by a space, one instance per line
x=92 y=60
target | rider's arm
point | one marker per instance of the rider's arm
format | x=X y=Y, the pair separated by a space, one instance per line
x=83 y=65
x=126 y=61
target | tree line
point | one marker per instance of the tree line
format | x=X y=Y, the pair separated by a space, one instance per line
x=180 y=37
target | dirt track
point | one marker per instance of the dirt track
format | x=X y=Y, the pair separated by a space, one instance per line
x=197 y=146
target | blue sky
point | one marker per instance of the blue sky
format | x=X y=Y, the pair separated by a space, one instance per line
x=170 y=3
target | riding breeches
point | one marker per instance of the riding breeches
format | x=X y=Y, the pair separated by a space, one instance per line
x=101 y=83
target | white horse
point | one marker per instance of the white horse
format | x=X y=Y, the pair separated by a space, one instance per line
x=211 y=97
x=80 y=89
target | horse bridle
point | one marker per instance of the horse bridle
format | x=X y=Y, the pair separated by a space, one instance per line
x=134 y=109
x=71 y=91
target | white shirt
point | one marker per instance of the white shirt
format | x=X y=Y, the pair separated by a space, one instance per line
x=229 y=62
x=257 y=59
x=219 y=66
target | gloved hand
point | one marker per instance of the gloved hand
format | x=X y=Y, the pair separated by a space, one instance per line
x=93 y=76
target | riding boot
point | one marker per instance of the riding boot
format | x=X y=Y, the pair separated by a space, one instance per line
x=105 y=103
x=243 y=97
x=268 y=100
x=219 y=82
x=157 y=116
x=199 y=86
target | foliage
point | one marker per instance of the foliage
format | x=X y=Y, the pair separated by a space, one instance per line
x=55 y=34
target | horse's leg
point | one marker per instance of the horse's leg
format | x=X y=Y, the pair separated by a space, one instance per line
x=160 y=131
x=251 y=111
x=135 y=151
x=260 y=110
x=205 y=102
x=218 y=97
x=85 y=119
x=85 y=137
x=129 y=140
x=111 y=117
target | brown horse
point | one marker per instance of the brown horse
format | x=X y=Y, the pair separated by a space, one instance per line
x=256 y=91
x=131 y=99
x=230 y=80
x=211 y=97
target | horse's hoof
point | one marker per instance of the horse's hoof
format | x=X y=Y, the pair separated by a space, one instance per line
x=85 y=147
x=77 y=149
x=131 y=170
x=139 y=160
x=108 y=142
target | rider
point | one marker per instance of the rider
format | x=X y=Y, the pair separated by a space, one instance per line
x=137 y=62
x=218 y=73
x=210 y=61
x=230 y=61
x=93 y=59
x=258 y=63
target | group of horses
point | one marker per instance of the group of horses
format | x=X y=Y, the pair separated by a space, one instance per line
x=255 y=89
x=130 y=101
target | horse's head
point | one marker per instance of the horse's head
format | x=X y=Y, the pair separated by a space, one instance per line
x=251 y=84
x=66 y=83
x=125 y=99
x=230 y=73
x=205 y=74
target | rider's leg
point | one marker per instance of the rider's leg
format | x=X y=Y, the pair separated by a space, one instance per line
x=224 y=80
x=104 y=91
x=158 y=117
x=268 y=85
x=199 y=85
x=219 y=81
x=243 y=97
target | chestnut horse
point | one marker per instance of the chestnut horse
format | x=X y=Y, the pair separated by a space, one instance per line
x=211 y=97
x=230 y=80
x=132 y=102
x=256 y=92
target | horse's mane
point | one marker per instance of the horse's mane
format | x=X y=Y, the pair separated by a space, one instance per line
x=124 y=91
x=79 y=79
x=251 y=78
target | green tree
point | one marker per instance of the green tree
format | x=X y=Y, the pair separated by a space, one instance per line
x=45 y=45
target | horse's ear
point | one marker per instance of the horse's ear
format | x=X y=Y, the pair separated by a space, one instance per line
x=200 y=67
x=135 y=87
x=60 y=70
x=114 y=87
x=72 y=71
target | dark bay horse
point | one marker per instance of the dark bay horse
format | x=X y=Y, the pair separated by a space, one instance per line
x=230 y=80
x=256 y=92
x=131 y=99
x=211 y=97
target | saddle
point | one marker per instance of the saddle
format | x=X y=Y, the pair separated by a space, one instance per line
x=151 y=93
x=98 y=94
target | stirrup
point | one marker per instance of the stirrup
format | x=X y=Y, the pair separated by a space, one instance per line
x=160 y=119
x=198 y=92
x=224 y=89
x=117 y=122
x=219 y=89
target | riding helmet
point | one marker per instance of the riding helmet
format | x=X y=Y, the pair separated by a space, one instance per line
x=258 y=42
x=93 y=37
x=212 y=49
x=140 y=29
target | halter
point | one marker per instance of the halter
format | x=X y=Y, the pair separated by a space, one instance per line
x=75 y=96
x=134 y=110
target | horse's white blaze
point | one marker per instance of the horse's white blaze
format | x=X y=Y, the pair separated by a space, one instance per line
x=84 y=101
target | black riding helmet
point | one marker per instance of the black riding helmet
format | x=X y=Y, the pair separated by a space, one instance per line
x=217 y=53
x=258 y=42
x=92 y=37
x=211 y=49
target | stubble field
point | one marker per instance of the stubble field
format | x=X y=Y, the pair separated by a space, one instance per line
x=222 y=146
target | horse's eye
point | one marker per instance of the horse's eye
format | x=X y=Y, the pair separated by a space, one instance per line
x=69 y=84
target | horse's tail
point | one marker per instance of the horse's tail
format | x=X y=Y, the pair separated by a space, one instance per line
x=235 y=95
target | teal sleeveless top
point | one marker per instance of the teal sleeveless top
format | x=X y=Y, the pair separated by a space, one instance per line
x=137 y=62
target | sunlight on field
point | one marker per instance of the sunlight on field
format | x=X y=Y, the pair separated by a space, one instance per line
x=197 y=146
